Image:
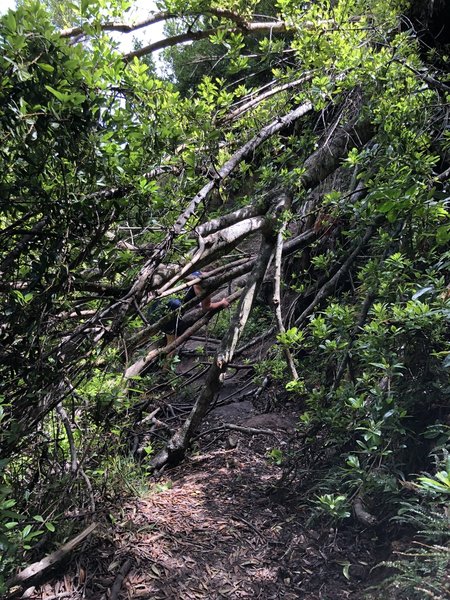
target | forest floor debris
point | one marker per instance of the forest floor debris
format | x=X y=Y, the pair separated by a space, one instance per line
x=216 y=528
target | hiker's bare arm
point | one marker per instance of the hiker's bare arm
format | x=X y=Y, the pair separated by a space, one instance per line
x=208 y=304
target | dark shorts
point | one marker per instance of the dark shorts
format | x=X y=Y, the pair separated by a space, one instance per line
x=176 y=326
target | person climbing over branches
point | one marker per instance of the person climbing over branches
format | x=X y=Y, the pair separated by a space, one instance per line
x=176 y=326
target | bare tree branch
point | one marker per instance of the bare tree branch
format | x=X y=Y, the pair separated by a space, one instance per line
x=143 y=363
x=72 y=446
x=277 y=299
x=330 y=284
x=265 y=133
x=238 y=112
x=176 y=446
x=29 y=573
x=192 y=36
x=158 y=18
x=37 y=229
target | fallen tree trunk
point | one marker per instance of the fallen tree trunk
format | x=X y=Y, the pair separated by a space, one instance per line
x=177 y=445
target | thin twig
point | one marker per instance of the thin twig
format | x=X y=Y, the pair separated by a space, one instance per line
x=72 y=447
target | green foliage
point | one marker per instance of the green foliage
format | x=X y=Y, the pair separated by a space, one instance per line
x=273 y=367
x=119 y=475
x=423 y=567
x=332 y=505
x=96 y=151
x=17 y=533
x=276 y=456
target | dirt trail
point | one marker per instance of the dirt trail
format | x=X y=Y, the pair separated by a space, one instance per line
x=216 y=528
x=215 y=532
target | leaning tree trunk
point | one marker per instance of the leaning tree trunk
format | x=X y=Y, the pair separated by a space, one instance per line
x=177 y=445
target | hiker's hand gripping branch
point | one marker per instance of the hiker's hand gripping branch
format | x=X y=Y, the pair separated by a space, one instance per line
x=207 y=304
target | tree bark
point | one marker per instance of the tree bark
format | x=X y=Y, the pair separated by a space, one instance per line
x=177 y=445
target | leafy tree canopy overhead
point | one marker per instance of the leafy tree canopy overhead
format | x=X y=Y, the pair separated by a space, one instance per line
x=87 y=132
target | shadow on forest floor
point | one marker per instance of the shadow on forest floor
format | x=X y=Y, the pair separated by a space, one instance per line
x=216 y=528
x=214 y=531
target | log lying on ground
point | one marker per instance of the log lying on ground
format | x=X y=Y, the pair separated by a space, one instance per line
x=32 y=572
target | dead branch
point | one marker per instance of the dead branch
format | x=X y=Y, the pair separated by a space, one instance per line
x=144 y=334
x=331 y=283
x=24 y=578
x=238 y=157
x=210 y=283
x=143 y=363
x=123 y=572
x=89 y=489
x=232 y=427
x=72 y=446
x=256 y=340
x=177 y=445
x=246 y=212
x=276 y=300
x=215 y=244
x=213 y=279
x=238 y=112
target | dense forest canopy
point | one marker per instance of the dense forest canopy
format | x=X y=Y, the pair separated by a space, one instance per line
x=297 y=152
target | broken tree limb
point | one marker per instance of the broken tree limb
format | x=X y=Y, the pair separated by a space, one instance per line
x=143 y=363
x=330 y=284
x=36 y=569
x=276 y=300
x=144 y=334
x=210 y=282
x=177 y=445
x=256 y=340
x=213 y=279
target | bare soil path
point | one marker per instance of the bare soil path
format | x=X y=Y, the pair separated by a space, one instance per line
x=217 y=527
x=215 y=531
